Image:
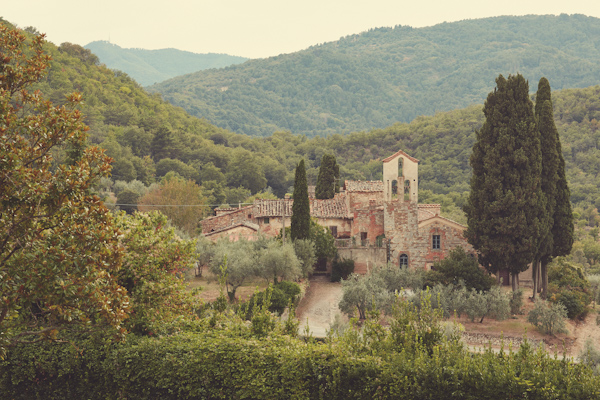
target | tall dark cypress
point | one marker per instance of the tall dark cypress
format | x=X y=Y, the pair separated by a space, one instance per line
x=503 y=210
x=559 y=239
x=550 y=165
x=300 y=228
x=329 y=174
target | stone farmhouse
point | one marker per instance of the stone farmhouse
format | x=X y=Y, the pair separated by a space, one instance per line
x=374 y=222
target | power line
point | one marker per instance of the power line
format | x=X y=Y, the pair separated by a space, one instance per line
x=171 y=205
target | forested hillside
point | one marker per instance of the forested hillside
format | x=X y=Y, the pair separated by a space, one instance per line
x=148 y=137
x=377 y=78
x=148 y=67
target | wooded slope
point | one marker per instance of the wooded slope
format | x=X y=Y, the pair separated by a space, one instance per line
x=148 y=67
x=377 y=78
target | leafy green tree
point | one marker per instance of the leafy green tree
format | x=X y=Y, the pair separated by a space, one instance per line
x=59 y=249
x=327 y=180
x=324 y=241
x=163 y=144
x=128 y=200
x=245 y=171
x=460 y=266
x=165 y=165
x=363 y=293
x=301 y=207
x=548 y=317
x=182 y=201
x=279 y=262
x=235 y=262
x=154 y=265
x=505 y=205
x=305 y=251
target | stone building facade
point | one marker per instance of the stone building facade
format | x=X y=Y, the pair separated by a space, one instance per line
x=374 y=221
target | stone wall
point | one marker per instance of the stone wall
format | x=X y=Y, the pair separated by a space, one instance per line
x=370 y=221
x=344 y=226
x=234 y=234
x=365 y=258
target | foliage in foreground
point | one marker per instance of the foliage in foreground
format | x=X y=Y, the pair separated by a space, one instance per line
x=221 y=357
x=59 y=249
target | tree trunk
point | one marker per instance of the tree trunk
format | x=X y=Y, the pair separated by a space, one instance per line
x=513 y=281
x=534 y=272
x=544 y=270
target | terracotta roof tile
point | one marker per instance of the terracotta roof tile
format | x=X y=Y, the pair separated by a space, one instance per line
x=427 y=211
x=330 y=208
x=272 y=208
x=363 y=186
x=400 y=152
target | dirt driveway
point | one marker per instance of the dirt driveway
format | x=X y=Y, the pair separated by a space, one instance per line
x=319 y=306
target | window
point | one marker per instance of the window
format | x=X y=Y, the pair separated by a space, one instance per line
x=266 y=221
x=363 y=239
x=403 y=260
x=333 y=230
x=436 y=242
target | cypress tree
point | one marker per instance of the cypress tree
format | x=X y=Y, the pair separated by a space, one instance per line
x=327 y=180
x=300 y=228
x=503 y=209
x=558 y=239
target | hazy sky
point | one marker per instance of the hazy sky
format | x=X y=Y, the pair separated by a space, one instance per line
x=252 y=28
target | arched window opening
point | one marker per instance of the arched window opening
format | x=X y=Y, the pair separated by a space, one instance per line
x=403 y=261
x=406 y=190
x=400 y=165
x=394 y=189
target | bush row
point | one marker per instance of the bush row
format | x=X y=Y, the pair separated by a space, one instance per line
x=217 y=365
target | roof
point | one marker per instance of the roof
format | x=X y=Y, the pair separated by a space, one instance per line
x=249 y=225
x=329 y=208
x=272 y=208
x=443 y=220
x=400 y=153
x=363 y=186
x=425 y=215
x=226 y=211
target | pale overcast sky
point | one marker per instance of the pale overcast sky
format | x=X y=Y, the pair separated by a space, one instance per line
x=252 y=28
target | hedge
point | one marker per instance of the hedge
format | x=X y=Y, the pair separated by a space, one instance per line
x=222 y=366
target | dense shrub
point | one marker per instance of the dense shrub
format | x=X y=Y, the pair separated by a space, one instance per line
x=398 y=279
x=569 y=286
x=574 y=301
x=590 y=356
x=290 y=289
x=341 y=269
x=516 y=302
x=432 y=278
x=221 y=364
x=460 y=266
x=548 y=317
x=278 y=302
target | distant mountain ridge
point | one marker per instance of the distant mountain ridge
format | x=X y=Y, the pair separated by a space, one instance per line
x=376 y=78
x=148 y=67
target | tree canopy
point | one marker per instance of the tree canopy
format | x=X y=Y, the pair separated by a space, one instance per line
x=49 y=220
x=506 y=204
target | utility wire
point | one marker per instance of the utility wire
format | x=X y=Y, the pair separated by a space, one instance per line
x=171 y=205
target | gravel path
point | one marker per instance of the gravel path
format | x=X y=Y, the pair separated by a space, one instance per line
x=319 y=306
